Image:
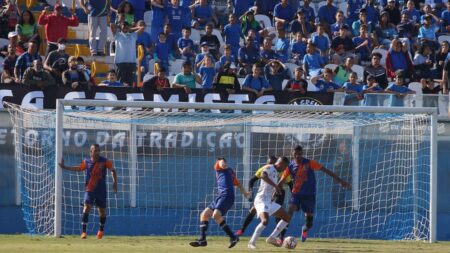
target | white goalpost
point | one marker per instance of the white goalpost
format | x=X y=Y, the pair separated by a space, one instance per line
x=163 y=153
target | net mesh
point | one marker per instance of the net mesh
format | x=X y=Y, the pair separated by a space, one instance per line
x=164 y=164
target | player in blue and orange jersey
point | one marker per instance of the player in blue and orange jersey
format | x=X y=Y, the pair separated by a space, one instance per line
x=226 y=180
x=303 y=196
x=96 y=191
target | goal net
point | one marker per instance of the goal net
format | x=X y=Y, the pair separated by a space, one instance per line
x=164 y=158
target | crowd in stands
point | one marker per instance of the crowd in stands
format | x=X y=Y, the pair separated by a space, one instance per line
x=356 y=46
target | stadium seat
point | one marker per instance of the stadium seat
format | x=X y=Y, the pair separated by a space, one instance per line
x=150 y=66
x=171 y=78
x=264 y=20
x=175 y=67
x=418 y=98
x=219 y=36
x=3 y=42
x=70 y=49
x=359 y=70
x=291 y=66
x=444 y=38
x=331 y=66
x=100 y=67
x=71 y=34
x=383 y=53
x=195 y=36
x=311 y=86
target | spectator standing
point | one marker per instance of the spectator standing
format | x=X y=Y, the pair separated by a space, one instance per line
x=324 y=82
x=9 y=15
x=159 y=16
x=8 y=66
x=26 y=27
x=354 y=90
x=97 y=11
x=398 y=89
x=57 y=61
x=256 y=83
x=37 y=77
x=377 y=71
x=275 y=72
x=175 y=18
x=125 y=58
x=207 y=72
x=297 y=84
x=56 y=25
x=25 y=60
x=74 y=78
x=226 y=80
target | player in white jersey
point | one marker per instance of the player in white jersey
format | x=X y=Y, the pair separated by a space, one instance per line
x=263 y=201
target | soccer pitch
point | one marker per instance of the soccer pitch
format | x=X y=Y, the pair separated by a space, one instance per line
x=155 y=244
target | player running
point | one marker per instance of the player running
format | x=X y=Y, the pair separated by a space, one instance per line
x=226 y=180
x=96 y=191
x=303 y=196
x=279 y=198
x=263 y=201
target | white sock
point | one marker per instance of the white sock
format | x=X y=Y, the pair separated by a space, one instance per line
x=257 y=233
x=280 y=226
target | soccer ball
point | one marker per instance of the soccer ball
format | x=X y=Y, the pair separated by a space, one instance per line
x=290 y=242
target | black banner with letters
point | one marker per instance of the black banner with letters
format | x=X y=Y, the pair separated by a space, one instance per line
x=46 y=99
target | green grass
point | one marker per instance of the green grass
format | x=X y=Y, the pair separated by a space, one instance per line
x=153 y=244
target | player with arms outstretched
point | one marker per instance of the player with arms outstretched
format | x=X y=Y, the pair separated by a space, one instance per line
x=96 y=191
x=279 y=198
x=263 y=201
x=226 y=180
x=303 y=196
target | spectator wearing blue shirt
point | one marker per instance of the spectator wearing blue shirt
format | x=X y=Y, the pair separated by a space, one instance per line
x=372 y=12
x=428 y=11
x=334 y=28
x=267 y=53
x=353 y=9
x=324 y=82
x=125 y=57
x=363 y=45
x=111 y=80
x=162 y=52
x=139 y=8
x=241 y=6
x=321 y=41
x=158 y=19
x=207 y=72
x=256 y=83
x=427 y=33
x=171 y=38
x=309 y=11
x=353 y=90
x=398 y=90
x=26 y=59
x=248 y=56
x=227 y=57
x=232 y=34
x=275 y=72
x=327 y=13
x=282 y=46
x=412 y=12
x=298 y=48
x=312 y=62
x=97 y=11
x=175 y=17
x=300 y=24
x=361 y=21
x=372 y=92
x=202 y=14
x=445 y=16
x=186 y=45
x=283 y=13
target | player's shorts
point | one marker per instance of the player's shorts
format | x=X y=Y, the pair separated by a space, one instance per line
x=266 y=207
x=222 y=203
x=306 y=203
x=94 y=198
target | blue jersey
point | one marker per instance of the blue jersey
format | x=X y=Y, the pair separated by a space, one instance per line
x=303 y=176
x=323 y=85
x=162 y=51
x=232 y=34
x=371 y=99
x=226 y=180
x=175 y=16
x=96 y=174
x=207 y=74
x=183 y=43
x=395 y=100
